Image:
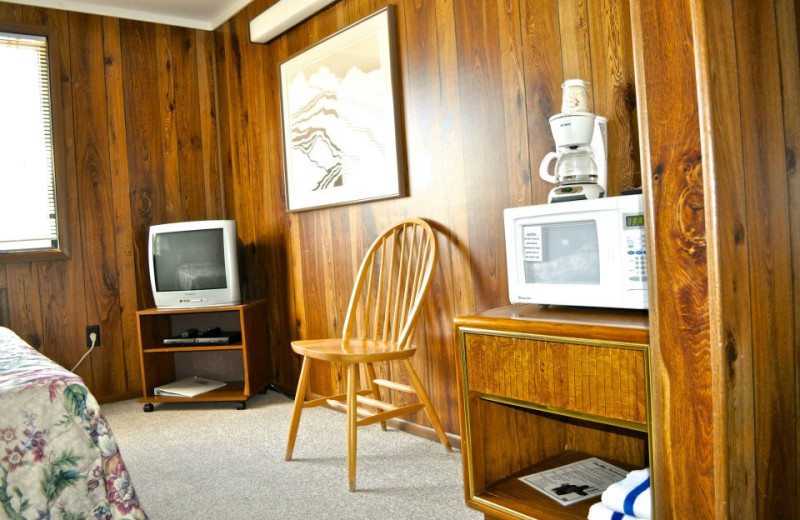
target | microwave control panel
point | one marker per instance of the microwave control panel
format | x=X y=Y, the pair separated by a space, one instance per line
x=635 y=254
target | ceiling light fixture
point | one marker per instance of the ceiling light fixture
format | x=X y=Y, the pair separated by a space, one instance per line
x=281 y=17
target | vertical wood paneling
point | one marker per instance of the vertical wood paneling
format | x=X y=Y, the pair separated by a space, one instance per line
x=767 y=210
x=613 y=90
x=513 y=63
x=114 y=184
x=188 y=125
x=576 y=63
x=741 y=434
x=787 y=15
x=207 y=108
x=144 y=137
x=96 y=211
x=479 y=81
x=484 y=141
x=732 y=326
x=541 y=47
x=677 y=258
x=169 y=161
x=120 y=180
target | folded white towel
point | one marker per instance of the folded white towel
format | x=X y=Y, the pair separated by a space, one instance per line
x=599 y=511
x=631 y=495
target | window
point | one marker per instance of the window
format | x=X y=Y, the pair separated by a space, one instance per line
x=29 y=205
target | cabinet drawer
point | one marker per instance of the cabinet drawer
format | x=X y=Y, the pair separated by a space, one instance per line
x=596 y=379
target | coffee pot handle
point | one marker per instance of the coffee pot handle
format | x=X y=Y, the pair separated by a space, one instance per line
x=544 y=168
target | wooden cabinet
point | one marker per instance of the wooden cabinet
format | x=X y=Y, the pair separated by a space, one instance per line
x=540 y=388
x=158 y=361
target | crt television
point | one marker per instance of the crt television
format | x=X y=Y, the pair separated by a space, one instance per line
x=194 y=264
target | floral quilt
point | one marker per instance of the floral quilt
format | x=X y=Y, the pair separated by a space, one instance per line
x=58 y=457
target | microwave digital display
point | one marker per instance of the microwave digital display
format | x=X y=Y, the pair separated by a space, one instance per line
x=634 y=221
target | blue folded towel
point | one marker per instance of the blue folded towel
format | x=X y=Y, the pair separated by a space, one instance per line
x=599 y=511
x=631 y=495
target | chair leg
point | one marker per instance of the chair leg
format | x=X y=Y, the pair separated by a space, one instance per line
x=352 y=418
x=423 y=396
x=376 y=390
x=299 y=401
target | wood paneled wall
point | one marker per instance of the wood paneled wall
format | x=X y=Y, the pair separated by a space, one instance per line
x=479 y=81
x=152 y=137
x=718 y=86
x=141 y=148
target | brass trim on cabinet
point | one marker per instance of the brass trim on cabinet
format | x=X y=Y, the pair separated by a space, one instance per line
x=556 y=339
x=466 y=448
x=609 y=421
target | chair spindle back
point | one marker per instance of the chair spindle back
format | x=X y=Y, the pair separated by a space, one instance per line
x=391 y=284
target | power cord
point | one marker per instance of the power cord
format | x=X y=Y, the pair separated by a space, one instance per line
x=93 y=337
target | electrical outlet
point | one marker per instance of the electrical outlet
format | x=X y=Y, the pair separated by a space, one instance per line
x=89 y=330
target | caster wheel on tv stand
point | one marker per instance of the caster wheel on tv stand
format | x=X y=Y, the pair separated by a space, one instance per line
x=148 y=407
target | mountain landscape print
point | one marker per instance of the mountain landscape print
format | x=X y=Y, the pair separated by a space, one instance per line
x=340 y=142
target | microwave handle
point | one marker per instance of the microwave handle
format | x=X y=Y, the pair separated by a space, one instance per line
x=545 y=167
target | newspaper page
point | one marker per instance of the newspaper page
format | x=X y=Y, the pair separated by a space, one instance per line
x=188 y=387
x=574 y=482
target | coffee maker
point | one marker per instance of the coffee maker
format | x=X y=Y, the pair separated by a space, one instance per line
x=581 y=170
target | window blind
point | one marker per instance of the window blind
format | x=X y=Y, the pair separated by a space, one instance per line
x=28 y=217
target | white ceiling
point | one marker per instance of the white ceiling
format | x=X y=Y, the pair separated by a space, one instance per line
x=197 y=14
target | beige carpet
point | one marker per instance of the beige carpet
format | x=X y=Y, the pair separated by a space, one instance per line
x=211 y=461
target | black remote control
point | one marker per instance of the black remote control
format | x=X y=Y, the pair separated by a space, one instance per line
x=213 y=331
x=189 y=333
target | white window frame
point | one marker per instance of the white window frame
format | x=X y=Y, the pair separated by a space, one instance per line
x=60 y=251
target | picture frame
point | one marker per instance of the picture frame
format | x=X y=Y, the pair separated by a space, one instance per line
x=340 y=117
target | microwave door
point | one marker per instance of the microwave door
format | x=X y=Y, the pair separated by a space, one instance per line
x=561 y=254
x=561 y=261
x=569 y=261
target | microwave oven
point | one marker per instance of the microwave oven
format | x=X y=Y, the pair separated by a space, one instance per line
x=588 y=253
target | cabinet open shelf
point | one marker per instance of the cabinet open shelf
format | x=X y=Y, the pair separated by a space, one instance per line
x=539 y=389
x=193 y=348
x=514 y=495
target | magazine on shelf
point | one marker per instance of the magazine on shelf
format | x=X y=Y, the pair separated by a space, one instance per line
x=188 y=387
x=574 y=482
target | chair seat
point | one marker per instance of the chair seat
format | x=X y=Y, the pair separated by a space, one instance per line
x=359 y=351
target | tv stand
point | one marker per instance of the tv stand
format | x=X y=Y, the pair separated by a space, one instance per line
x=158 y=360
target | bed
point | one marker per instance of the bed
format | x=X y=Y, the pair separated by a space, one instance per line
x=58 y=457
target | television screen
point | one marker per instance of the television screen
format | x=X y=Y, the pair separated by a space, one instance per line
x=194 y=264
x=189 y=260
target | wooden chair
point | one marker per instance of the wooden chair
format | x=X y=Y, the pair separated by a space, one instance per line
x=384 y=306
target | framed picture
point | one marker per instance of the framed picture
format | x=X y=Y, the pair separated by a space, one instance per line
x=341 y=142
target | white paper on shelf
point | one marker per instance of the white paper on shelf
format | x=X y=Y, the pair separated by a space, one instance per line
x=188 y=387
x=577 y=481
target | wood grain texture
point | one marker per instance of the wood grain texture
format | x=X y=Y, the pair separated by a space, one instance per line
x=473 y=76
x=743 y=439
x=515 y=385
x=479 y=81
x=788 y=34
x=113 y=186
x=677 y=256
x=764 y=148
x=96 y=211
x=120 y=176
x=565 y=374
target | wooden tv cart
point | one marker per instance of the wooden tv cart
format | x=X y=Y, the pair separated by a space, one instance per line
x=541 y=388
x=158 y=360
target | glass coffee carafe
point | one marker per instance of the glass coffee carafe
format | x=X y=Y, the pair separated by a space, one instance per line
x=573 y=165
